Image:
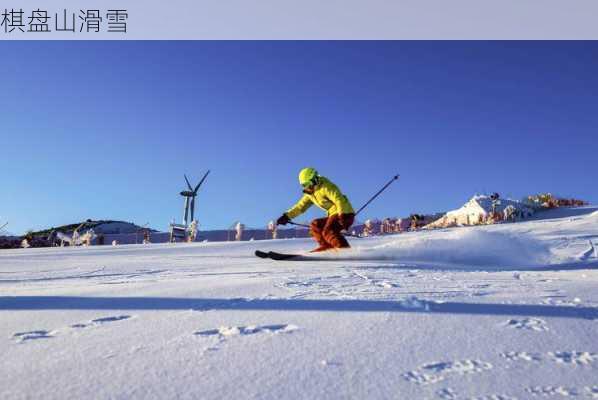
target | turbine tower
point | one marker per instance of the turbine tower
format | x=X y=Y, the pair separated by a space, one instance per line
x=189 y=196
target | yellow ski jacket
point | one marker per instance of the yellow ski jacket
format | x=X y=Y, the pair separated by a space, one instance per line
x=327 y=196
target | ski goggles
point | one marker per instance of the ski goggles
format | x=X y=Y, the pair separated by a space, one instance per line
x=310 y=183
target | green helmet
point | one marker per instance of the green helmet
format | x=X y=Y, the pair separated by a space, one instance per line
x=308 y=177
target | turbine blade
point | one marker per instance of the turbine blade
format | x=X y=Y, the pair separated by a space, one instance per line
x=188 y=184
x=192 y=209
x=200 y=182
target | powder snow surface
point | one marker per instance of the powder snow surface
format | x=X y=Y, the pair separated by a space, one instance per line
x=506 y=311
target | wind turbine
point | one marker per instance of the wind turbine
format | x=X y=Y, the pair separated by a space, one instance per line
x=189 y=196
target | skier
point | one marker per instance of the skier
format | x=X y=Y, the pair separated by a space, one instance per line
x=322 y=192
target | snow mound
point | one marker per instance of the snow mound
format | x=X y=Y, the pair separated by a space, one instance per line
x=537 y=244
x=479 y=208
x=467 y=247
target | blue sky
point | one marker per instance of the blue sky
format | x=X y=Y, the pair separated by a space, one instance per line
x=105 y=130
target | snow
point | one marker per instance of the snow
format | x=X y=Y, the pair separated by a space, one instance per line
x=479 y=207
x=506 y=311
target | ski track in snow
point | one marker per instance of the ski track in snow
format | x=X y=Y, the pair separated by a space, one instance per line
x=589 y=253
x=101 y=321
x=99 y=274
x=44 y=334
x=380 y=283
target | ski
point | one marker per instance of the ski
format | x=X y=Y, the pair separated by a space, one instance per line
x=261 y=254
x=272 y=255
x=278 y=256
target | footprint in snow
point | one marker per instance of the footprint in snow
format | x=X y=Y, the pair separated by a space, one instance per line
x=224 y=331
x=32 y=335
x=560 y=357
x=522 y=356
x=101 y=321
x=437 y=372
x=43 y=334
x=592 y=391
x=556 y=301
x=531 y=324
x=110 y=319
x=447 y=394
x=493 y=397
x=330 y=363
x=386 y=284
x=552 y=391
x=573 y=357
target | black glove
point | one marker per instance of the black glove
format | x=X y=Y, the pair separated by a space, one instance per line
x=283 y=220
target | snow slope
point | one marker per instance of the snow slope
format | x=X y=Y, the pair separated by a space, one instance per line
x=490 y=312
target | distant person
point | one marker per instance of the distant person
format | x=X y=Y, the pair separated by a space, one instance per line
x=192 y=231
x=322 y=192
x=272 y=227
x=146 y=237
x=368 y=228
x=52 y=238
x=75 y=238
x=239 y=228
x=386 y=226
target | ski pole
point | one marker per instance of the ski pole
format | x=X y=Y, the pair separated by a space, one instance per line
x=394 y=178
